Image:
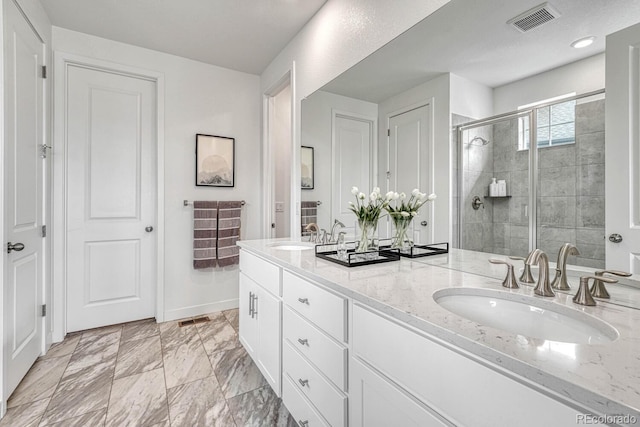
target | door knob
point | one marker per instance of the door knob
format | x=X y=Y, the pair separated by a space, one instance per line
x=148 y=229
x=615 y=238
x=14 y=247
x=424 y=223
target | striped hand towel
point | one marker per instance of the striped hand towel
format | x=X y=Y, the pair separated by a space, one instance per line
x=308 y=214
x=228 y=232
x=205 y=228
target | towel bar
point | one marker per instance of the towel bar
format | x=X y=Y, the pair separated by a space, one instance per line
x=187 y=203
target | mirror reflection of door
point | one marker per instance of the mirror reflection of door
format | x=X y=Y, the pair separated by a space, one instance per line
x=353 y=141
x=409 y=157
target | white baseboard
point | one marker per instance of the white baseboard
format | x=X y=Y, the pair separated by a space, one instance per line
x=198 y=310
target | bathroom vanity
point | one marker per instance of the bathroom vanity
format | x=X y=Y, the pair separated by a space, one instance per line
x=370 y=346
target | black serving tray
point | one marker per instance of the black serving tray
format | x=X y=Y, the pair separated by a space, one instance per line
x=329 y=252
x=417 y=251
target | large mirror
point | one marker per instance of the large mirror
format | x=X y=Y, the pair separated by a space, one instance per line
x=411 y=115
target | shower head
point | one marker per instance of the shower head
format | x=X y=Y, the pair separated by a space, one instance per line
x=478 y=140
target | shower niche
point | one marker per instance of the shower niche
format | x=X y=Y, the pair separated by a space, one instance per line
x=553 y=189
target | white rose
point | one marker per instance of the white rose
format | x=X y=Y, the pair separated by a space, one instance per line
x=415 y=192
x=395 y=196
x=404 y=214
x=422 y=196
x=354 y=190
x=373 y=196
x=376 y=190
x=389 y=195
x=402 y=196
x=432 y=196
x=362 y=196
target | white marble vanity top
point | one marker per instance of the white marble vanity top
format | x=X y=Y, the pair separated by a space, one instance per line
x=604 y=378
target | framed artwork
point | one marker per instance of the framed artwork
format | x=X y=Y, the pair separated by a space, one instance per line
x=306 y=169
x=215 y=161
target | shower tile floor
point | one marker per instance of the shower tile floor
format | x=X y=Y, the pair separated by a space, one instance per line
x=148 y=374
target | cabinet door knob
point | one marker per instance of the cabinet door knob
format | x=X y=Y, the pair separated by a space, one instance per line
x=304 y=300
x=303 y=341
x=303 y=383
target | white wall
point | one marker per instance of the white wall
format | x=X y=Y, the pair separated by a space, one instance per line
x=342 y=33
x=317 y=133
x=437 y=93
x=198 y=98
x=470 y=99
x=281 y=127
x=580 y=77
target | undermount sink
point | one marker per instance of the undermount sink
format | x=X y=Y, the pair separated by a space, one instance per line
x=526 y=315
x=292 y=246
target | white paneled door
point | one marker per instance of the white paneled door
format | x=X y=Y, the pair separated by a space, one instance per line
x=352 y=158
x=622 y=150
x=410 y=162
x=111 y=198
x=23 y=198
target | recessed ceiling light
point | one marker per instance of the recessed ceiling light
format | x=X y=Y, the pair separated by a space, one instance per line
x=583 y=42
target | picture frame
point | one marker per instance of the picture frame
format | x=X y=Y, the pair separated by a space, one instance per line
x=306 y=168
x=215 y=161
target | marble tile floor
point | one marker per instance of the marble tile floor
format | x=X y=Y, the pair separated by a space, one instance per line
x=148 y=374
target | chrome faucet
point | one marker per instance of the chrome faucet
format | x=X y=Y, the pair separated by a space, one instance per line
x=312 y=228
x=336 y=223
x=560 y=281
x=542 y=288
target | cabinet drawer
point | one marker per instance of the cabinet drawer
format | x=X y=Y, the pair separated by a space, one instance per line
x=321 y=307
x=451 y=384
x=326 y=354
x=299 y=407
x=330 y=402
x=261 y=271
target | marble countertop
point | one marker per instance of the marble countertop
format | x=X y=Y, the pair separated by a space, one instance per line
x=604 y=378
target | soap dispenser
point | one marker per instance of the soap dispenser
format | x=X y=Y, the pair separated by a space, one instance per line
x=493 y=188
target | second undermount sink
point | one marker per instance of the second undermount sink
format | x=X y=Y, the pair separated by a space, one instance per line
x=292 y=246
x=526 y=315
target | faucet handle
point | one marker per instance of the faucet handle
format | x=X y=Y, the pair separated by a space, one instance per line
x=510 y=280
x=598 y=289
x=583 y=296
x=526 y=276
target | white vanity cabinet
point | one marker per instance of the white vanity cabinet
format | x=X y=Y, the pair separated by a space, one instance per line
x=314 y=361
x=260 y=316
x=422 y=382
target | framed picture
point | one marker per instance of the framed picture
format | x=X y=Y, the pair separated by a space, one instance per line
x=215 y=161
x=306 y=169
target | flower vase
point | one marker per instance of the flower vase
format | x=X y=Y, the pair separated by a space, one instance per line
x=368 y=241
x=401 y=240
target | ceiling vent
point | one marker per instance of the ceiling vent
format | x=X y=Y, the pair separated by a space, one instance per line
x=535 y=17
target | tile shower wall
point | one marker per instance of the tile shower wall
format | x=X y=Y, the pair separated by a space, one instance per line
x=571 y=191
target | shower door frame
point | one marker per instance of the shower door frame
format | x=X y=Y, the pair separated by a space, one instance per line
x=533 y=159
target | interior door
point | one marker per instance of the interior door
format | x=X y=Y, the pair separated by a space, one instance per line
x=622 y=150
x=409 y=160
x=23 y=198
x=351 y=158
x=111 y=198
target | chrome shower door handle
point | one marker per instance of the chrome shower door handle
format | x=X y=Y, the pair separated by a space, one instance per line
x=615 y=238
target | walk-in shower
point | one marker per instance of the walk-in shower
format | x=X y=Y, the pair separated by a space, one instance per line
x=555 y=186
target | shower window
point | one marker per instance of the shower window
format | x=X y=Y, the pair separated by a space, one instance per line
x=555 y=126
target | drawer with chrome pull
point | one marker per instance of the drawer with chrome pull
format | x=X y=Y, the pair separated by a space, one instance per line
x=321 y=307
x=325 y=397
x=325 y=353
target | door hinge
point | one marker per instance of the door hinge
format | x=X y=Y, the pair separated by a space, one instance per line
x=44 y=71
x=44 y=231
x=388 y=132
x=44 y=310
